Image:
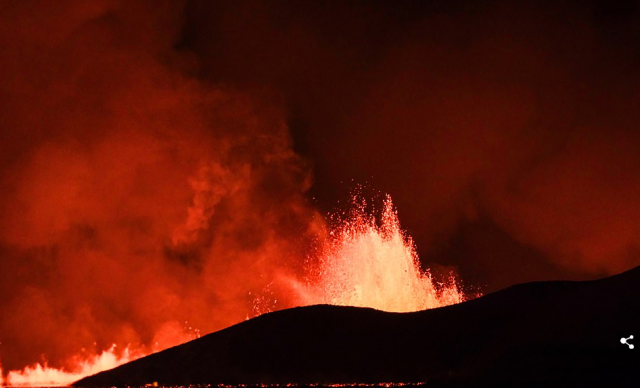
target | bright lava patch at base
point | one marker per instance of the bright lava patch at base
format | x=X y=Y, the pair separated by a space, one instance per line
x=363 y=262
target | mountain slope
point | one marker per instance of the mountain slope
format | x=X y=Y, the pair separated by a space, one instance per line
x=546 y=332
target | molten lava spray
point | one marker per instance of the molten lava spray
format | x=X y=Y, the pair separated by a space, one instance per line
x=367 y=264
x=43 y=375
x=361 y=262
x=149 y=173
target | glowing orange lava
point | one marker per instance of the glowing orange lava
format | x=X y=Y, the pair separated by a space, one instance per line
x=362 y=263
x=41 y=375
x=369 y=265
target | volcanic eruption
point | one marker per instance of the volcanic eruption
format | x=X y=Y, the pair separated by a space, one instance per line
x=369 y=265
x=169 y=168
x=364 y=262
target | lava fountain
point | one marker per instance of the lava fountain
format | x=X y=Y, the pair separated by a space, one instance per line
x=368 y=264
x=362 y=262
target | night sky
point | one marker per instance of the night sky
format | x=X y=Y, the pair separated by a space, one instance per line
x=506 y=133
x=164 y=162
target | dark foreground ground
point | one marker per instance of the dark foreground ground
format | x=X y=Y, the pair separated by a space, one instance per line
x=536 y=334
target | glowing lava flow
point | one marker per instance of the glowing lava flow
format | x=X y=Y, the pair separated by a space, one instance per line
x=40 y=375
x=362 y=263
x=369 y=265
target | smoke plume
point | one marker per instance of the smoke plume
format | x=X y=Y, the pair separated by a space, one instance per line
x=506 y=133
x=135 y=197
x=165 y=161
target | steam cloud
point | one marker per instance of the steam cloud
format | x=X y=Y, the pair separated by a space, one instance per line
x=149 y=174
x=135 y=196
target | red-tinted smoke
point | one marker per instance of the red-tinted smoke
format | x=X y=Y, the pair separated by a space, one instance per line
x=516 y=121
x=135 y=197
x=148 y=169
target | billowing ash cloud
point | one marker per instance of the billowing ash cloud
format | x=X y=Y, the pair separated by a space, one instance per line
x=506 y=133
x=135 y=197
x=156 y=158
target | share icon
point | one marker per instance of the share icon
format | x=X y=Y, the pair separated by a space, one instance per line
x=624 y=341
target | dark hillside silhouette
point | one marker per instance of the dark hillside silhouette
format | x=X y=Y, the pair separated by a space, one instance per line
x=545 y=332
